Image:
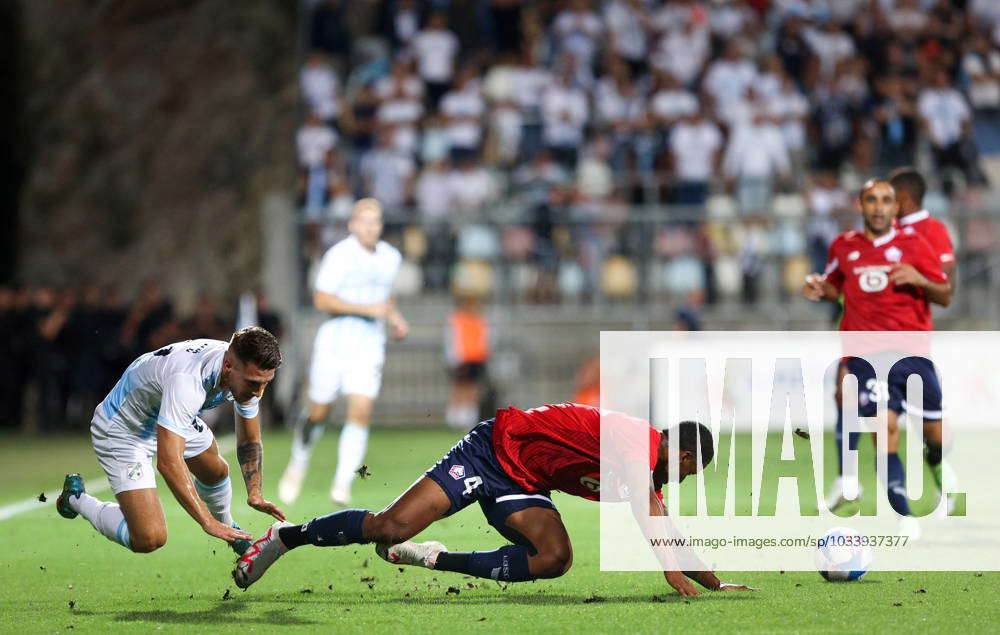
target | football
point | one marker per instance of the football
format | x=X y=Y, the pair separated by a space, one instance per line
x=843 y=555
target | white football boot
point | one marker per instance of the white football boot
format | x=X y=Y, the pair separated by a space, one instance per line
x=842 y=488
x=340 y=496
x=261 y=555
x=417 y=554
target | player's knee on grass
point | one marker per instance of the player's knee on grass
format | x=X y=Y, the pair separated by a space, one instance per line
x=552 y=562
x=148 y=541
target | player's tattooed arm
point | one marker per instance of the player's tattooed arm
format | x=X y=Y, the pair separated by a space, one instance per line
x=249 y=456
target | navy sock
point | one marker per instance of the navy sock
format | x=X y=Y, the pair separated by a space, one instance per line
x=897 y=485
x=294 y=536
x=507 y=564
x=333 y=530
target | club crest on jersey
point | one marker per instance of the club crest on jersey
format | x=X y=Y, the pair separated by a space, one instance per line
x=873 y=280
x=592 y=484
x=854 y=255
x=457 y=471
x=893 y=254
x=133 y=471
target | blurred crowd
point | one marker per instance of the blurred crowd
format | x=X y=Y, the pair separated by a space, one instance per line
x=576 y=113
x=64 y=348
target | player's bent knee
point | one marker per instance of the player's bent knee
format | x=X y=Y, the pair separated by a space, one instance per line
x=553 y=562
x=148 y=543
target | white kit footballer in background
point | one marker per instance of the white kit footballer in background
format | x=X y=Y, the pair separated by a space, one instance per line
x=354 y=286
x=154 y=410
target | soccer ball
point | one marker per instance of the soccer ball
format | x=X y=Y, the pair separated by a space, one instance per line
x=843 y=555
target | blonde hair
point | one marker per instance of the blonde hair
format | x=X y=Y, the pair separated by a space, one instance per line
x=363 y=204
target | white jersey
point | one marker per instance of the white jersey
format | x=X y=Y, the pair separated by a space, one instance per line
x=168 y=388
x=356 y=275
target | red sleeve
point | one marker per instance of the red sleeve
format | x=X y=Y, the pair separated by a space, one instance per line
x=940 y=242
x=926 y=261
x=834 y=274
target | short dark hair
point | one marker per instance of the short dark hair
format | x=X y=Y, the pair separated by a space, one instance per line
x=256 y=345
x=910 y=180
x=691 y=435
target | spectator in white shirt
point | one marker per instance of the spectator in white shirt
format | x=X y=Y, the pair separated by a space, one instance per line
x=471 y=187
x=729 y=77
x=670 y=102
x=404 y=23
x=683 y=52
x=387 y=174
x=435 y=48
x=827 y=203
x=756 y=154
x=530 y=81
x=506 y=127
x=320 y=88
x=400 y=81
x=564 y=114
x=578 y=31
x=463 y=108
x=947 y=120
x=731 y=18
x=595 y=180
x=314 y=141
x=620 y=108
x=433 y=192
x=768 y=81
x=789 y=108
x=628 y=30
x=679 y=14
x=981 y=64
x=695 y=145
x=403 y=113
x=830 y=44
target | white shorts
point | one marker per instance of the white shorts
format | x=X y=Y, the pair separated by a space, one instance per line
x=327 y=380
x=128 y=460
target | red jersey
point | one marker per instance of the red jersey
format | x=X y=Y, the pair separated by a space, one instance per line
x=933 y=231
x=860 y=269
x=558 y=447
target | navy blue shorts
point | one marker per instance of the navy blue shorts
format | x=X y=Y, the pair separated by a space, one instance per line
x=470 y=473
x=871 y=391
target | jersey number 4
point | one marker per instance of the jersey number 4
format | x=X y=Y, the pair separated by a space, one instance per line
x=472 y=483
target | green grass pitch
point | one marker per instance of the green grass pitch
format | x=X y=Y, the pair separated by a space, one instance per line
x=57 y=574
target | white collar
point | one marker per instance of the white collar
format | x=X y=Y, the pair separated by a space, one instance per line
x=915 y=217
x=881 y=240
x=362 y=248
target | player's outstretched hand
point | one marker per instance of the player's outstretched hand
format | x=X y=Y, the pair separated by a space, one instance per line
x=680 y=582
x=725 y=586
x=813 y=288
x=225 y=532
x=400 y=328
x=266 y=507
x=906 y=274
